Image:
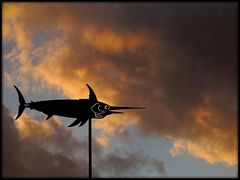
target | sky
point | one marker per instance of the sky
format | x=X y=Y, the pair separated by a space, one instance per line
x=179 y=60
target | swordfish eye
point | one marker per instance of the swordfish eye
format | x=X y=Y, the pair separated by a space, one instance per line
x=107 y=107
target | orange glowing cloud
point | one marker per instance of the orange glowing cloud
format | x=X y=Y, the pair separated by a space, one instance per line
x=212 y=152
x=102 y=140
x=39 y=130
x=110 y=125
x=115 y=42
x=211 y=142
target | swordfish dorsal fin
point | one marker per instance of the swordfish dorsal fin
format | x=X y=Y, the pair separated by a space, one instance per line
x=92 y=95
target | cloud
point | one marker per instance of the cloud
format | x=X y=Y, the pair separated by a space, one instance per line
x=124 y=164
x=176 y=60
x=36 y=149
x=221 y=147
x=105 y=40
x=110 y=125
x=48 y=149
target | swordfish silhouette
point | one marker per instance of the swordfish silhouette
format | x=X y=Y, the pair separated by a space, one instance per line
x=82 y=109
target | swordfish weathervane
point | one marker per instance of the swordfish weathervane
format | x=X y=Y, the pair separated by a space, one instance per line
x=81 y=109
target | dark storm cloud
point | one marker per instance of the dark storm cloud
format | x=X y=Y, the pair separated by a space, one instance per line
x=30 y=158
x=201 y=49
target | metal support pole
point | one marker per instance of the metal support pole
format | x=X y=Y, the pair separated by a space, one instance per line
x=90 y=147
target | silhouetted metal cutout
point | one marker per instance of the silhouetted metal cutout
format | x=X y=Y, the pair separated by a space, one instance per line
x=82 y=109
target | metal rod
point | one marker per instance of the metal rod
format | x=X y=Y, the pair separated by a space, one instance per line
x=90 y=147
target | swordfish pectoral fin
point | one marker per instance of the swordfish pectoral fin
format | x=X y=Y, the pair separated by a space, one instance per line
x=83 y=122
x=76 y=122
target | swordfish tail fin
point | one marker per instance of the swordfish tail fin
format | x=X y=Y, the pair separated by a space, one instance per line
x=22 y=102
